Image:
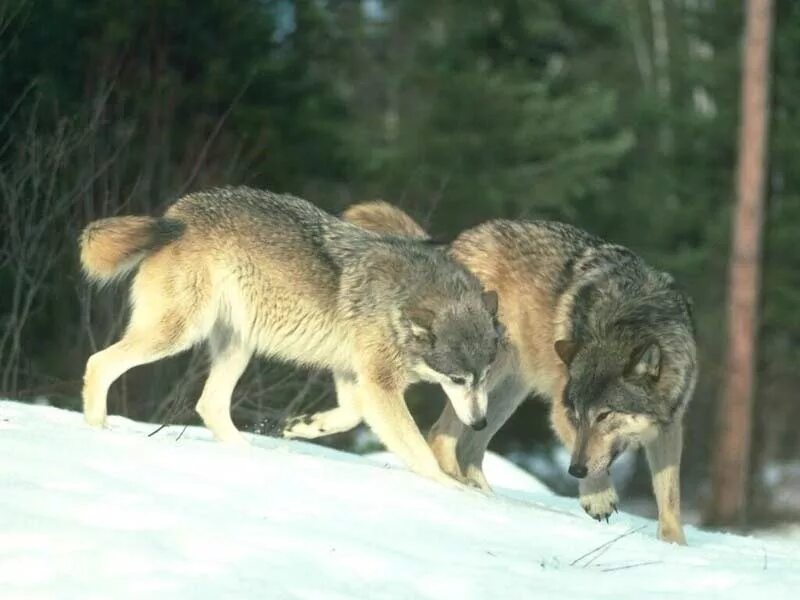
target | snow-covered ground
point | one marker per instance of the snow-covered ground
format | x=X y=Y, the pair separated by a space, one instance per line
x=506 y=477
x=116 y=514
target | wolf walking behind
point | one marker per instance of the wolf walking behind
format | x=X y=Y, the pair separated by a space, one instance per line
x=607 y=340
x=254 y=272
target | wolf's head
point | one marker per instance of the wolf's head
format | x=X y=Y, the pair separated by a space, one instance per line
x=631 y=366
x=455 y=345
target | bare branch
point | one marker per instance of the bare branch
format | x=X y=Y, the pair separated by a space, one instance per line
x=602 y=546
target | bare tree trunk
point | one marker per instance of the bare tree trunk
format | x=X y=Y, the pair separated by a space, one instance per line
x=661 y=50
x=639 y=43
x=663 y=81
x=732 y=448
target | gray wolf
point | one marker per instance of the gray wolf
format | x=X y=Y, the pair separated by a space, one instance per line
x=255 y=272
x=607 y=340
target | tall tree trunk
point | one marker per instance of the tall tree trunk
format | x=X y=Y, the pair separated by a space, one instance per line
x=732 y=448
x=639 y=43
x=661 y=70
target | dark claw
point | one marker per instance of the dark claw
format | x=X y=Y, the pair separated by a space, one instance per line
x=607 y=519
x=616 y=510
x=275 y=427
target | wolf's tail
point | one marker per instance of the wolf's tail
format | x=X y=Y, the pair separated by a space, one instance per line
x=114 y=246
x=381 y=217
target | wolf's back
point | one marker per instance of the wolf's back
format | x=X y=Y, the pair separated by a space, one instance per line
x=111 y=247
x=383 y=218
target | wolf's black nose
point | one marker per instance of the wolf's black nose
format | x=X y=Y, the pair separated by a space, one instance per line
x=578 y=471
x=478 y=425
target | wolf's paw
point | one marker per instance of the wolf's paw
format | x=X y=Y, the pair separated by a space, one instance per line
x=464 y=482
x=671 y=532
x=448 y=480
x=270 y=426
x=302 y=426
x=96 y=420
x=474 y=477
x=468 y=480
x=599 y=504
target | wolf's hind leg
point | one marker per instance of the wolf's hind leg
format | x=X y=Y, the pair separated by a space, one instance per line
x=229 y=358
x=168 y=317
x=140 y=345
x=344 y=417
x=664 y=457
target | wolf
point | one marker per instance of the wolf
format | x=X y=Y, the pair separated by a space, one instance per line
x=250 y=271
x=606 y=339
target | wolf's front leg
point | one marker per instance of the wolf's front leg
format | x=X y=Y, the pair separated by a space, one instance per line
x=504 y=398
x=597 y=494
x=342 y=418
x=385 y=411
x=664 y=457
x=443 y=440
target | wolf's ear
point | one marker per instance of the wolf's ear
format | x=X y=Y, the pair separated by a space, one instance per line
x=490 y=301
x=421 y=321
x=566 y=350
x=646 y=361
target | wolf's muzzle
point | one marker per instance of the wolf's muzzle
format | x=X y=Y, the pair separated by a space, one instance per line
x=579 y=471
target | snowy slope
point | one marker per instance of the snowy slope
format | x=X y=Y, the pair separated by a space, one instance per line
x=115 y=514
x=506 y=477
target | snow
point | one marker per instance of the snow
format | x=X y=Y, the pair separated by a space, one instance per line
x=116 y=514
x=506 y=477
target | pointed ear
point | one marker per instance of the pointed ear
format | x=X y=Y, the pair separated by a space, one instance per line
x=490 y=301
x=566 y=350
x=646 y=361
x=421 y=322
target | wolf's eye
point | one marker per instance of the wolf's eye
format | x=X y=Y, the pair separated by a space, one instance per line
x=458 y=380
x=602 y=416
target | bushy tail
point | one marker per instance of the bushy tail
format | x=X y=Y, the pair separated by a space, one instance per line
x=114 y=246
x=381 y=217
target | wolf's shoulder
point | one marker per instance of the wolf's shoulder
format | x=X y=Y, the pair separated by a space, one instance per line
x=530 y=235
x=243 y=200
